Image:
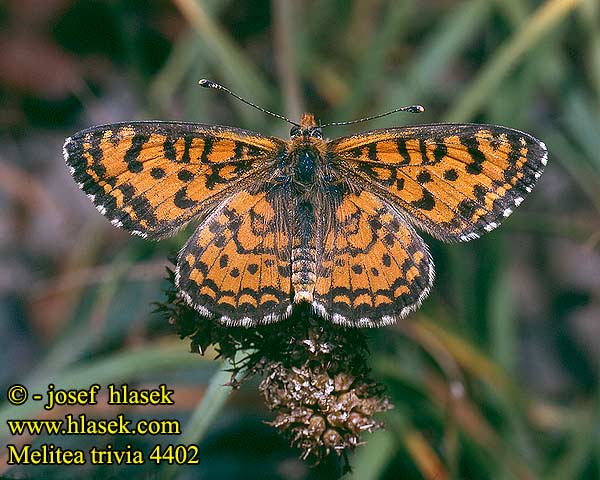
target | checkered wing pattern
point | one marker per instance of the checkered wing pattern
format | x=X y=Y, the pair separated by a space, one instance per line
x=375 y=268
x=456 y=181
x=152 y=178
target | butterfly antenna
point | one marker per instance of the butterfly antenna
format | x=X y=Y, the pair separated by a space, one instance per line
x=217 y=86
x=410 y=109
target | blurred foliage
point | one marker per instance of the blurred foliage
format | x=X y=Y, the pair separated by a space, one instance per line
x=495 y=377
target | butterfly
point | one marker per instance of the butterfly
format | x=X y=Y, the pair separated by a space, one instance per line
x=328 y=222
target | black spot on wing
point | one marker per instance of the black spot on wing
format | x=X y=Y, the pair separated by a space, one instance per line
x=466 y=208
x=182 y=201
x=450 y=174
x=157 y=173
x=185 y=158
x=477 y=155
x=358 y=269
x=372 y=152
x=223 y=260
x=133 y=153
x=423 y=150
x=480 y=191
x=423 y=177
x=185 y=175
x=169 y=149
x=426 y=202
x=439 y=152
x=401 y=146
x=208 y=146
x=96 y=152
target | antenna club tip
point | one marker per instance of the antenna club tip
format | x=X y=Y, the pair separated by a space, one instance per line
x=203 y=82
x=417 y=109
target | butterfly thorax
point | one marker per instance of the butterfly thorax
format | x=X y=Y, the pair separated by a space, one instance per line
x=306 y=151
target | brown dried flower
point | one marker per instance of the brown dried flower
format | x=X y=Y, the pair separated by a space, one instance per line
x=315 y=375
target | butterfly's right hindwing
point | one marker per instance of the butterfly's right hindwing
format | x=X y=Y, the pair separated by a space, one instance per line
x=236 y=266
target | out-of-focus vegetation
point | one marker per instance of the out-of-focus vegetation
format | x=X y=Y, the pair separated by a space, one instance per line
x=495 y=377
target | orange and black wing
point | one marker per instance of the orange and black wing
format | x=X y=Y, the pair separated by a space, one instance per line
x=455 y=181
x=151 y=178
x=236 y=267
x=374 y=267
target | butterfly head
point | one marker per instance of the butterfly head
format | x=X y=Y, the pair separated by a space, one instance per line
x=308 y=128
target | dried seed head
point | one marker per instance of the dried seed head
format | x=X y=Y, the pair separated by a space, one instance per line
x=315 y=415
x=314 y=374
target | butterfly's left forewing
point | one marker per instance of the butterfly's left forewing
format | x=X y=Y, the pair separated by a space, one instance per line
x=152 y=178
x=456 y=181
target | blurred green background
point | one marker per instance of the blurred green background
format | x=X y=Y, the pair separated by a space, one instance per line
x=495 y=377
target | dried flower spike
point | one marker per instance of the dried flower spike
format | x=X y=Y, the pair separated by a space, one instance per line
x=315 y=375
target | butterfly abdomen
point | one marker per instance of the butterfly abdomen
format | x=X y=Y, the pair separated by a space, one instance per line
x=304 y=254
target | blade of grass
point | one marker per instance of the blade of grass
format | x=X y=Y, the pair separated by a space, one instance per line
x=372 y=65
x=507 y=55
x=197 y=102
x=439 y=50
x=581 y=443
x=76 y=339
x=166 y=82
x=186 y=54
x=462 y=277
x=239 y=73
x=582 y=120
x=422 y=454
x=589 y=20
x=285 y=56
x=501 y=321
x=204 y=415
x=516 y=11
x=370 y=460
x=555 y=225
x=575 y=164
x=468 y=417
x=474 y=361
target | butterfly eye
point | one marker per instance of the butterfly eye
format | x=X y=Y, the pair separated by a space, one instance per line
x=294 y=131
x=316 y=133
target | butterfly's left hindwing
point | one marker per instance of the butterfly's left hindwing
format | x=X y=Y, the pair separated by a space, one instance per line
x=457 y=181
x=151 y=178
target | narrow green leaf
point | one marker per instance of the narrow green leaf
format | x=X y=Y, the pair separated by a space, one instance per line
x=507 y=56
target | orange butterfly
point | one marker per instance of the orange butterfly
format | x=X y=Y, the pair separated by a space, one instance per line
x=329 y=222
